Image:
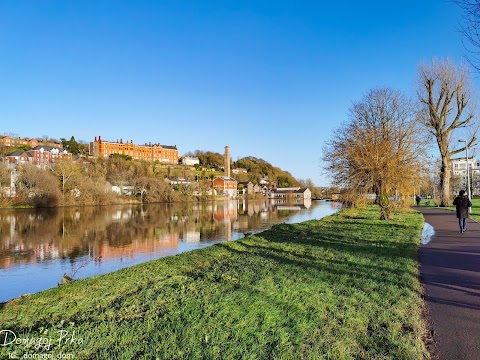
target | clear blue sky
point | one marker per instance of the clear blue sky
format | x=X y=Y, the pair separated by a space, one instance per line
x=270 y=79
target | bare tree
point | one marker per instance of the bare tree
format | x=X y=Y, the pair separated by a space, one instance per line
x=37 y=187
x=5 y=184
x=470 y=29
x=378 y=149
x=66 y=170
x=445 y=93
x=5 y=173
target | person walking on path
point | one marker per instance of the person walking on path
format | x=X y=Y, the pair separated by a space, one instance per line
x=462 y=204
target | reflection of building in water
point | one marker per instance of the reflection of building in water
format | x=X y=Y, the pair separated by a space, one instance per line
x=140 y=245
x=122 y=215
x=228 y=230
x=36 y=236
x=191 y=236
x=225 y=210
x=299 y=205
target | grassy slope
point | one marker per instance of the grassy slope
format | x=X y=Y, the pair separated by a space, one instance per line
x=344 y=287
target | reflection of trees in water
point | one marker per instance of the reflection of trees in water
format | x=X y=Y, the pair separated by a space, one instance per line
x=35 y=235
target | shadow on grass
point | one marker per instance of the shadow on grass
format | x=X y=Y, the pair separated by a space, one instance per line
x=362 y=240
x=331 y=269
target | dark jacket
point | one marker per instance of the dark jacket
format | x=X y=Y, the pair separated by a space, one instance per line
x=462 y=203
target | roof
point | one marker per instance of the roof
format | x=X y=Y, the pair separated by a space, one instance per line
x=226 y=178
x=169 y=147
x=20 y=152
x=16 y=153
x=290 y=191
x=302 y=190
x=47 y=148
x=244 y=182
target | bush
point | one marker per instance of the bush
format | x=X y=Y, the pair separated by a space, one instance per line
x=37 y=187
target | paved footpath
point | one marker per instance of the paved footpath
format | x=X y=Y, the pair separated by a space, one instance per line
x=450 y=270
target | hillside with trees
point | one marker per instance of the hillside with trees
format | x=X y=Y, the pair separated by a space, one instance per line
x=259 y=168
x=91 y=181
x=256 y=168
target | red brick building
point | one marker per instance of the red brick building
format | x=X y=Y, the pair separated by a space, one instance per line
x=225 y=185
x=39 y=155
x=150 y=152
x=9 y=141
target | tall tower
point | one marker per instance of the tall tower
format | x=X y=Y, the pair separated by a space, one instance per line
x=227 y=161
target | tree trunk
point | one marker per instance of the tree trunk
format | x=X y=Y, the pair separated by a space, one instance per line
x=445 y=182
x=384 y=203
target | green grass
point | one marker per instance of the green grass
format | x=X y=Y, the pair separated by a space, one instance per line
x=345 y=287
x=426 y=202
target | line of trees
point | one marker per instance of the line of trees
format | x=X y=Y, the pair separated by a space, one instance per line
x=381 y=148
x=87 y=181
x=83 y=183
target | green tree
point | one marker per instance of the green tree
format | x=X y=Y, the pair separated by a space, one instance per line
x=71 y=145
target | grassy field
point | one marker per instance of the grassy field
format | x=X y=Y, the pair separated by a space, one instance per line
x=342 y=288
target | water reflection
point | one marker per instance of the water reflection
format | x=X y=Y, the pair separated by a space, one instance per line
x=38 y=246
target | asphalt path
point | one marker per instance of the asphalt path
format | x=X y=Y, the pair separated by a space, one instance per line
x=450 y=272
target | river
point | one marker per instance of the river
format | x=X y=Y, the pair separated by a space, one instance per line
x=39 y=245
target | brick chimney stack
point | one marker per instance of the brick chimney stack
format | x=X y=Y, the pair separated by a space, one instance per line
x=227 y=161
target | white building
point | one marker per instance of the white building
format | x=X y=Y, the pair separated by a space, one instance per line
x=459 y=170
x=459 y=166
x=191 y=161
x=291 y=193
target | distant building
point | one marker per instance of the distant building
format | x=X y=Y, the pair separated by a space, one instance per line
x=294 y=193
x=239 y=171
x=151 y=152
x=336 y=196
x=459 y=166
x=459 y=169
x=39 y=155
x=248 y=188
x=9 y=141
x=191 y=161
x=225 y=186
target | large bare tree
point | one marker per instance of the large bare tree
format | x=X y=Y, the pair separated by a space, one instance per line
x=470 y=28
x=447 y=111
x=378 y=149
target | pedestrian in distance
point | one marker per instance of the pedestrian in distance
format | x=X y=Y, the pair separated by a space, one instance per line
x=462 y=203
x=417 y=200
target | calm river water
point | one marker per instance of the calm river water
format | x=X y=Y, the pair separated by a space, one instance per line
x=37 y=246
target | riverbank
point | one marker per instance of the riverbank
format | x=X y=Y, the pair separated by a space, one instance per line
x=343 y=287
